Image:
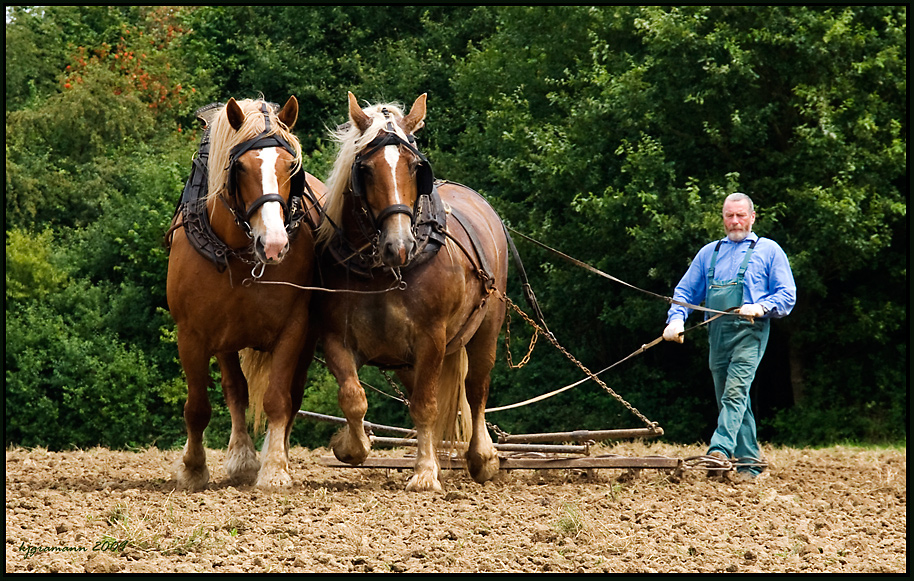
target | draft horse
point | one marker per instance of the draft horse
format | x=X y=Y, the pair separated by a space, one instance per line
x=423 y=259
x=246 y=228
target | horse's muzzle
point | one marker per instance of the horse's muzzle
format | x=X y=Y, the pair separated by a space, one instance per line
x=270 y=252
x=397 y=246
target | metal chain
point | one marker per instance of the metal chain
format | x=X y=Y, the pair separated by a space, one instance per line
x=526 y=358
x=393 y=385
x=498 y=431
x=574 y=360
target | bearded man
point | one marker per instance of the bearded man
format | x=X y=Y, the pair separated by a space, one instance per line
x=752 y=276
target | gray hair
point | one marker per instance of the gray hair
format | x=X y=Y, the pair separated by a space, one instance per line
x=739 y=197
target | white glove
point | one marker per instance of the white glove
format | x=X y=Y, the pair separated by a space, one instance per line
x=673 y=331
x=752 y=310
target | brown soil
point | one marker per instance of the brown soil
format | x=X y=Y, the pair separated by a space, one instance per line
x=838 y=510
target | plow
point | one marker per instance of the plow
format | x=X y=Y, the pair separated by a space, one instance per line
x=546 y=451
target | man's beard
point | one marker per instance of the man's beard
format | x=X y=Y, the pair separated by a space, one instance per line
x=738 y=235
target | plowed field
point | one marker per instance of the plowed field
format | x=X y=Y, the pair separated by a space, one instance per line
x=836 y=510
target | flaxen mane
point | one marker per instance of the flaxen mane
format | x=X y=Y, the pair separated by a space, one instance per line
x=351 y=141
x=223 y=138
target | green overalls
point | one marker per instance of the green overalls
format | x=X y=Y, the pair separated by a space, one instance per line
x=737 y=345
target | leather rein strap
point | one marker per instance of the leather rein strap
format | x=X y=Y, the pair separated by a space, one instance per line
x=586 y=266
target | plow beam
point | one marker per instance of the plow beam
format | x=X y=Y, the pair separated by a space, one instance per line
x=525 y=463
x=582 y=436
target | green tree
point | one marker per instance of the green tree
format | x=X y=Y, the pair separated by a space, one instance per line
x=617 y=138
x=612 y=133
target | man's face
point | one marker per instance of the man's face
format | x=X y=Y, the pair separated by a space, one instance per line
x=738 y=219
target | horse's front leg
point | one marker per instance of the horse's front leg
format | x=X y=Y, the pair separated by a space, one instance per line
x=422 y=383
x=241 y=463
x=280 y=404
x=351 y=444
x=191 y=472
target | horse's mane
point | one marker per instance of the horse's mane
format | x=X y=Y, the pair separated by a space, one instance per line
x=351 y=141
x=223 y=138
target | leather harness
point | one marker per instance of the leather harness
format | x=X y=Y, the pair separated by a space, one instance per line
x=429 y=215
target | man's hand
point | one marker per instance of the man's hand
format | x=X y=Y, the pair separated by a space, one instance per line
x=752 y=310
x=673 y=331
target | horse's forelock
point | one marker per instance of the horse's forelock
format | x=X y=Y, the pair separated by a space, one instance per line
x=351 y=141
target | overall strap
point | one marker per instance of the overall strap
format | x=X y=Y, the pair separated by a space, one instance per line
x=743 y=266
x=714 y=260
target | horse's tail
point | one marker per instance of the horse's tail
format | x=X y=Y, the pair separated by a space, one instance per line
x=452 y=398
x=256 y=367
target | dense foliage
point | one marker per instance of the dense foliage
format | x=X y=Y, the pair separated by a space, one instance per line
x=611 y=133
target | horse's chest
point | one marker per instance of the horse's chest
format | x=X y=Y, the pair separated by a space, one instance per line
x=386 y=322
x=379 y=329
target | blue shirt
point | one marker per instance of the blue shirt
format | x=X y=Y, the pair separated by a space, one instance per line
x=768 y=281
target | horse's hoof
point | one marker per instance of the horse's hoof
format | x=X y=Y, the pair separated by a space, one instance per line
x=274 y=480
x=342 y=446
x=351 y=459
x=242 y=467
x=424 y=483
x=191 y=480
x=242 y=477
x=483 y=467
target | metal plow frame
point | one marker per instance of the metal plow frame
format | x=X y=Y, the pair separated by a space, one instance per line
x=528 y=451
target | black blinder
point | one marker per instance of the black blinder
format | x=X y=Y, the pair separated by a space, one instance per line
x=297 y=184
x=425 y=179
x=231 y=184
x=357 y=182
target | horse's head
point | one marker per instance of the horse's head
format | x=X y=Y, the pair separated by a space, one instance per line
x=389 y=175
x=262 y=158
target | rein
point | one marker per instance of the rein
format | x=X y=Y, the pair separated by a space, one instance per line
x=590 y=375
x=400 y=285
x=586 y=266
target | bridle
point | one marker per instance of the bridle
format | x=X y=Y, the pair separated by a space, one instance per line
x=371 y=224
x=297 y=185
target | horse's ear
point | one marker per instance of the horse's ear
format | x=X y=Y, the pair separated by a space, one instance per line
x=235 y=114
x=416 y=118
x=289 y=113
x=361 y=120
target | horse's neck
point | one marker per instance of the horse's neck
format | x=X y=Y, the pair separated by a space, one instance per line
x=224 y=227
